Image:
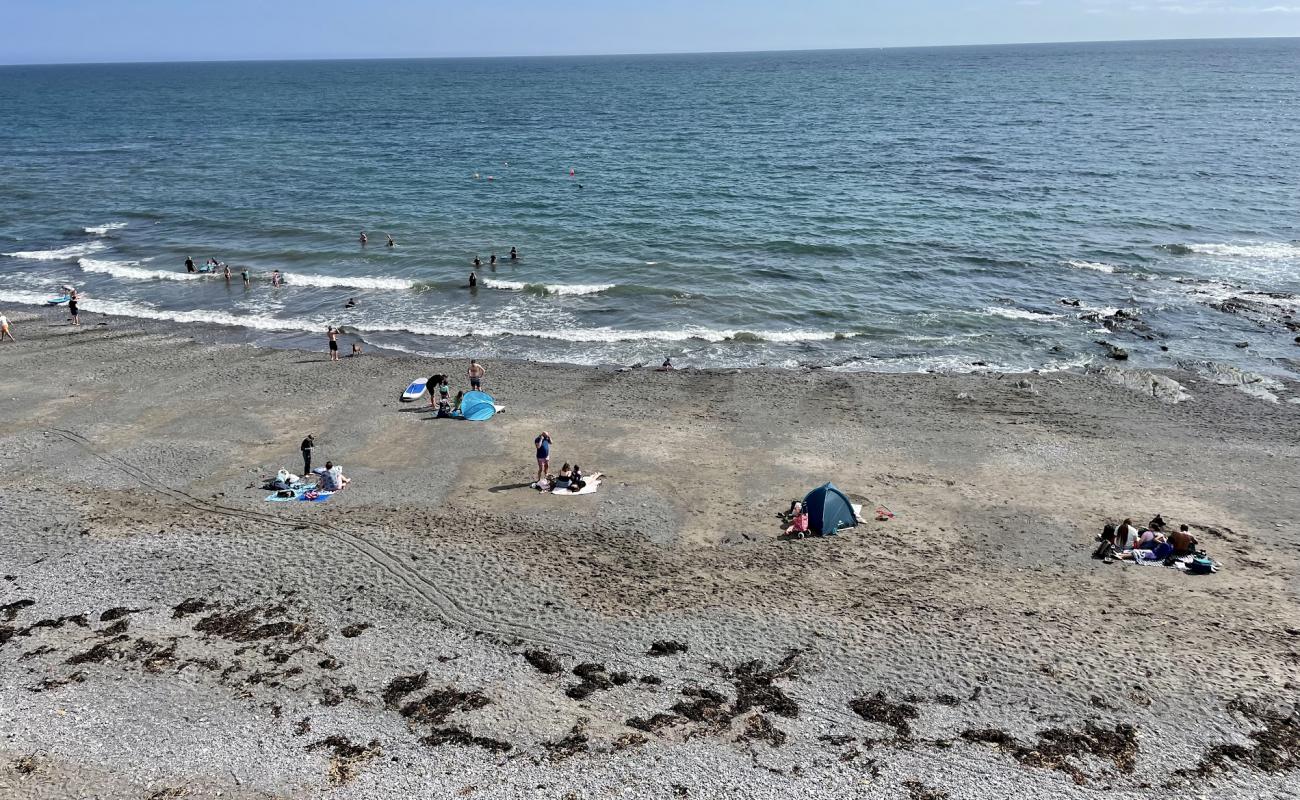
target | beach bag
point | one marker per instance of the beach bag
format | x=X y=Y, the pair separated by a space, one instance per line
x=1200 y=565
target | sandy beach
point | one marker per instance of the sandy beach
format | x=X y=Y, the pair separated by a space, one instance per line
x=440 y=629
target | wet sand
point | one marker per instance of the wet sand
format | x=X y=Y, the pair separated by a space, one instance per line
x=439 y=629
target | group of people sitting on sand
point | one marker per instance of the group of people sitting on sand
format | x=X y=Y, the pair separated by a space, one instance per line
x=1154 y=544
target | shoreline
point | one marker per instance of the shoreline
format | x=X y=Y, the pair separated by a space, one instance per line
x=209 y=332
x=439 y=628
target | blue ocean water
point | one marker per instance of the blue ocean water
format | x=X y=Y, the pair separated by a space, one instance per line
x=893 y=210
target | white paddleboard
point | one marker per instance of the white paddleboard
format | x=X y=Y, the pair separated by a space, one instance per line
x=415 y=391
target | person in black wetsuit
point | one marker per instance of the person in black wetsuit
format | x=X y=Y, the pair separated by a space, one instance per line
x=307 y=445
x=514 y=254
x=189 y=264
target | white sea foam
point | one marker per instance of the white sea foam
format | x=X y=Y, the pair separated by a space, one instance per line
x=1269 y=251
x=344 y=282
x=1019 y=313
x=548 y=288
x=271 y=323
x=130 y=270
x=102 y=230
x=1095 y=266
x=62 y=253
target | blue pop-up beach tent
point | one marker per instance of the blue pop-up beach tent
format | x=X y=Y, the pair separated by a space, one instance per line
x=828 y=510
x=477 y=406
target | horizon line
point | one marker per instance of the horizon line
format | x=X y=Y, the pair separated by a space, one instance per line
x=272 y=60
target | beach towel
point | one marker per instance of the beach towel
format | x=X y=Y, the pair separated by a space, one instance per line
x=276 y=498
x=315 y=497
x=593 y=482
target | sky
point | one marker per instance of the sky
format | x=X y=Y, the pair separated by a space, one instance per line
x=62 y=31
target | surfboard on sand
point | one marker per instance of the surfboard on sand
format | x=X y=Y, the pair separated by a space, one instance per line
x=415 y=391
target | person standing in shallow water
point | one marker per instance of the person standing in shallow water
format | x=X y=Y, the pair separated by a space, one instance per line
x=189 y=264
x=333 y=344
x=514 y=254
x=244 y=274
x=363 y=238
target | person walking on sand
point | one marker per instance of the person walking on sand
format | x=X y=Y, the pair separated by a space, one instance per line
x=307 y=445
x=72 y=307
x=543 y=445
x=333 y=334
x=189 y=264
x=4 y=329
x=476 y=373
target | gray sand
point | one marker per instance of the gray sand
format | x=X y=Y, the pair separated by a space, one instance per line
x=967 y=648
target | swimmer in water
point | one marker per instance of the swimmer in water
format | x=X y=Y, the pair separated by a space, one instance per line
x=189 y=264
x=477 y=263
x=390 y=243
x=473 y=281
x=352 y=302
x=362 y=238
x=275 y=277
x=514 y=254
x=243 y=273
x=226 y=269
x=493 y=260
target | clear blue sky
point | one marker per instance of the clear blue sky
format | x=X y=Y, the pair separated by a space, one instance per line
x=34 y=31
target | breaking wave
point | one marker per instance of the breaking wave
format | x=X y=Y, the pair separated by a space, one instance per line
x=548 y=288
x=103 y=230
x=61 y=253
x=288 y=324
x=1095 y=266
x=362 y=282
x=1019 y=313
x=131 y=270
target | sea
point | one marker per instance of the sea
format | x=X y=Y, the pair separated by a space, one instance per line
x=996 y=208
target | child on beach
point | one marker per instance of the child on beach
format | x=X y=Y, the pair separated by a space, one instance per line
x=798 y=521
x=4 y=329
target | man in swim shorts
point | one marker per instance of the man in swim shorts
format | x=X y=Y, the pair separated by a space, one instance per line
x=333 y=335
x=476 y=373
x=72 y=306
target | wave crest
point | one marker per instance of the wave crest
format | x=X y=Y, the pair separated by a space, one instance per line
x=103 y=230
x=124 y=269
x=548 y=288
x=60 y=253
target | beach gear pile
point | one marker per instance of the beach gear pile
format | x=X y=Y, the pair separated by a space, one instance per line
x=1154 y=545
x=286 y=487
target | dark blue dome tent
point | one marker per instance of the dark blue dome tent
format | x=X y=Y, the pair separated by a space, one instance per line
x=828 y=510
